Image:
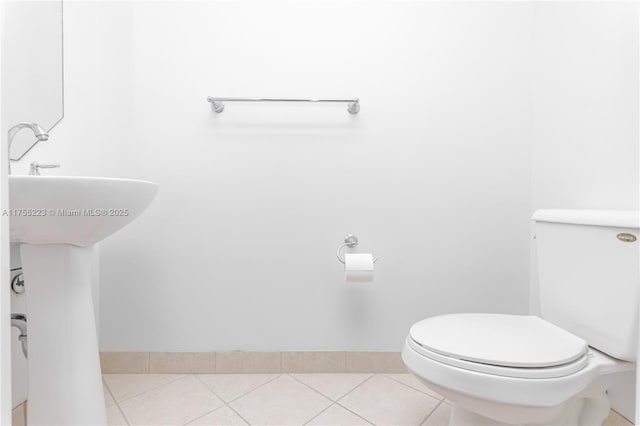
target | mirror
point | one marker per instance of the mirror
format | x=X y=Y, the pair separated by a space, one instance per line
x=32 y=68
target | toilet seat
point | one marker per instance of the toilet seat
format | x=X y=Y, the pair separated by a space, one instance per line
x=506 y=345
x=515 y=372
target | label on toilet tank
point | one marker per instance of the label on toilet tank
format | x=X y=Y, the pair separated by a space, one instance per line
x=626 y=237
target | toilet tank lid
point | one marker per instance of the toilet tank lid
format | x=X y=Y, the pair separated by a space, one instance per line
x=613 y=218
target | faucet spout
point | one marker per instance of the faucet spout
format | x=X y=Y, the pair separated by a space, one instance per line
x=40 y=134
x=38 y=131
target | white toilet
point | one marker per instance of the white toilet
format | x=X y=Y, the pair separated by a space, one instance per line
x=554 y=369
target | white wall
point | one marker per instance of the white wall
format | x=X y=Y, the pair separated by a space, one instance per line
x=237 y=250
x=33 y=72
x=473 y=116
x=585 y=150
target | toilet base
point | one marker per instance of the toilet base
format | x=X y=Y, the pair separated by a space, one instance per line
x=461 y=417
x=579 y=399
x=588 y=411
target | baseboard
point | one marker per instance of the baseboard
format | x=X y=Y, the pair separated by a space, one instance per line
x=252 y=362
x=19 y=415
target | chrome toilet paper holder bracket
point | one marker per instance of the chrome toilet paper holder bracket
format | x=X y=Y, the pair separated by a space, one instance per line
x=350 y=241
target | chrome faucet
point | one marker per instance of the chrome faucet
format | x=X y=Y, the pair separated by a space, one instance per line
x=39 y=132
x=34 y=168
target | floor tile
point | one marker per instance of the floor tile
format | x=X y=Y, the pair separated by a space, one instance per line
x=222 y=416
x=440 y=416
x=383 y=401
x=411 y=381
x=124 y=386
x=114 y=417
x=616 y=419
x=338 y=416
x=108 y=399
x=283 y=401
x=231 y=386
x=333 y=386
x=175 y=403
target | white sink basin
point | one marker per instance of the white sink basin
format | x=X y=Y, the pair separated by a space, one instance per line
x=73 y=210
x=57 y=221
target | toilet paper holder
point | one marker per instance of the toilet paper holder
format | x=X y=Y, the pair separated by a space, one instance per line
x=350 y=241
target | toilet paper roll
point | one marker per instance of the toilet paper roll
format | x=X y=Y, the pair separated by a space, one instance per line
x=358 y=267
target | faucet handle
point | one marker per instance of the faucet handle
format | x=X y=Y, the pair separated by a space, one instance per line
x=35 y=168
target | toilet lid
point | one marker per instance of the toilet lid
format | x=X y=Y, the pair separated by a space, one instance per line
x=497 y=339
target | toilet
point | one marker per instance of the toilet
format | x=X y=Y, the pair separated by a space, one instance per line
x=555 y=368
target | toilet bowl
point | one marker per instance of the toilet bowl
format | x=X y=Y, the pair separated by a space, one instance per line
x=542 y=375
x=554 y=368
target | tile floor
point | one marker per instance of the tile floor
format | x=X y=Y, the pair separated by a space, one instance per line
x=276 y=399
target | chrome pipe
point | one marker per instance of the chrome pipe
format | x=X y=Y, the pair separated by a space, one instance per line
x=19 y=321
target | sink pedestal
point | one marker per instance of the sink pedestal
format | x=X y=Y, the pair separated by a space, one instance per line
x=65 y=382
x=70 y=215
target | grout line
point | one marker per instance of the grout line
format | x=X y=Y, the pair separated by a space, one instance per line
x=209 y=389
x=441 y=398
x=22 y=407
x=202 y=415
x=126 y=419
x=106 y=386
x=351 y=391
x=432 y=411
x=309 y=386
x=238 y=414
x=246 y=393
x=181 y=376
x=213 y=411
x=353 y=412
x=214 y=393
x=257 y=387
x=327 y=396
x=335 y=402
x=321 y=411
x=357 y=386
x=225 y=402
x=341 y=406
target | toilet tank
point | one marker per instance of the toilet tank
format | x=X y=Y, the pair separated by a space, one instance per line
x=589 y=275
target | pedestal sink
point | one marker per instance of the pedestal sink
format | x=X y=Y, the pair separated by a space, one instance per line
x=58 y=220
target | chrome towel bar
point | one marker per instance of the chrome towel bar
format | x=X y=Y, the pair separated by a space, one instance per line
x=217 y=103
